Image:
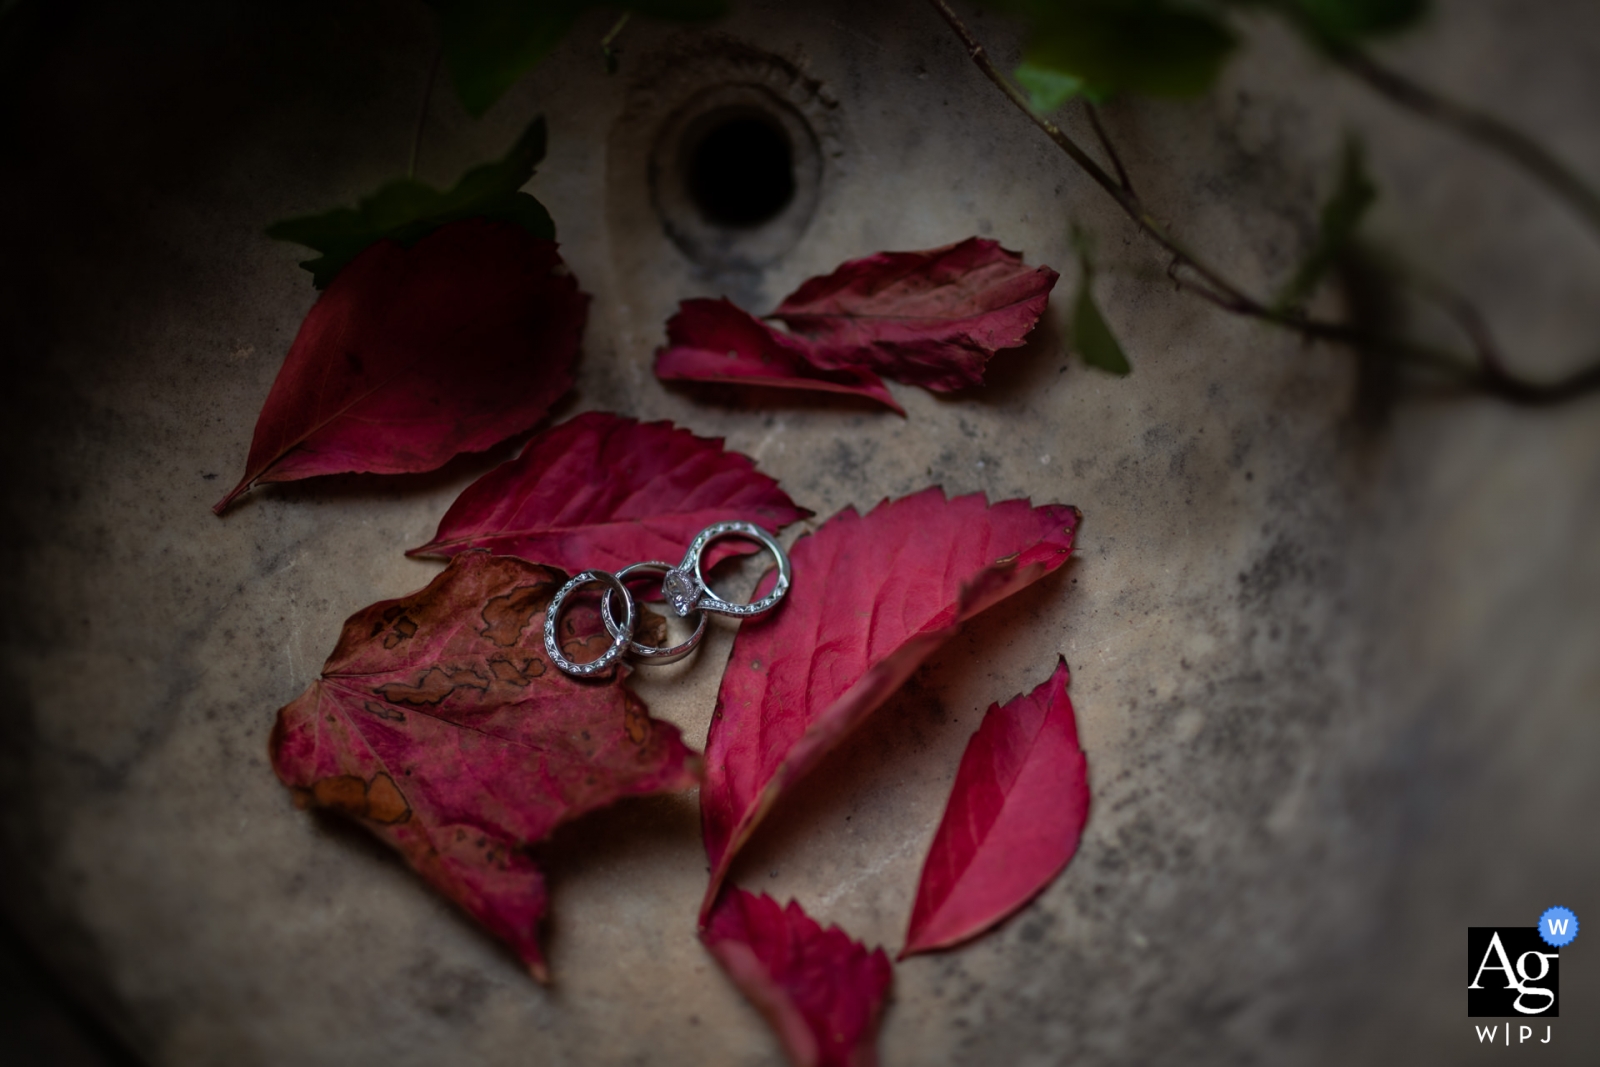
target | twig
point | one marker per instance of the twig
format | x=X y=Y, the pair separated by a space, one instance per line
x=1225 y=301
x=422 y=111
x=1487 y=130
x=1491 y=373
x=1125 y=198
x=1105 y=143
x=606 y=51
x=1488 y=375
x=1466 y=317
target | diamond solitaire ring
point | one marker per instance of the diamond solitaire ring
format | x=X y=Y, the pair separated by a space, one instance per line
x=685 y=585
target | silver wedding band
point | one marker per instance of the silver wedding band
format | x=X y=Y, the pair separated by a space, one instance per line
x=650 y=653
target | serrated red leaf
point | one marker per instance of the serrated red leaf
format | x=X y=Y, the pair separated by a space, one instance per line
x=820 y=991
x=439 y=725
x=605 y=491
x=414 y=355
x=1013 y=820
x=930 y=318
x=714 y=341
x=873 y=596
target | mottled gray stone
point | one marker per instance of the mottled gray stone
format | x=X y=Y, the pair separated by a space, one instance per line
x=1337 y=682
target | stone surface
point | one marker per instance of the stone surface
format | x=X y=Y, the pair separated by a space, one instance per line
x=1337 y=682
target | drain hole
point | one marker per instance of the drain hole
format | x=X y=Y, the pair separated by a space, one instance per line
x=734 y=176
x=741 y=173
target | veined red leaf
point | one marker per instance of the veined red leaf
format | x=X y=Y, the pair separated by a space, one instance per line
x=821 y=992
x=714 y=341
x=439 y=725
x=873 y=596
x=1013 y=820
x=930 y=318
x=605 y=491
x=414 y=355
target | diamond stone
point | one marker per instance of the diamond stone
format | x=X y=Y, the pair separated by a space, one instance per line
x=682 y=589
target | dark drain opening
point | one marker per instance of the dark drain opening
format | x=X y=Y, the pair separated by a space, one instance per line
x=741 y=173
x=734 y=175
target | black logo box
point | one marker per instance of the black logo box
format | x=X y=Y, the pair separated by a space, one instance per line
x=1535 y=970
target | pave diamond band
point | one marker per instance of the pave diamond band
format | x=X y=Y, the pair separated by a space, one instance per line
x=621 y=633
x=685 y=589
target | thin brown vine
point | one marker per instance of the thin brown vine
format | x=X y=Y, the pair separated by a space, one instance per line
x=422 y=112
x=1477 y=126
x=1484 y=370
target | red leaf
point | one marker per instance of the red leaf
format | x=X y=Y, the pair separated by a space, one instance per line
x=414 y=355
x=713 y=341
x=1017 y=807
x=821 y=991
x=928 y=318
x=873 y=596
x=605 y=491
x=438 y=725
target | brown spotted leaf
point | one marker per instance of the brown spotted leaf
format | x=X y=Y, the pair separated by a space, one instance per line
x=439 y=725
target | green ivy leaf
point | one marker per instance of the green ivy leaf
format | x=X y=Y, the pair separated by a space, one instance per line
x=1047 y=89
x=407 y=210
x=1154 y=47
x=1341 y=217
x=1091 y=335
x=489 y=44
x=1347 y=21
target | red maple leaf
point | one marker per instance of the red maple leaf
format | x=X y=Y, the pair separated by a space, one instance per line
x=873 y=597
x=713 y=341
x=414 y=355
x=1013 y=820
x=928 y=318
x=821 y=992
x=931 y=318
x=439 y=725
x=605 y=491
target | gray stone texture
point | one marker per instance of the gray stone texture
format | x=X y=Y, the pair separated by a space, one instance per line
x=1337 y=679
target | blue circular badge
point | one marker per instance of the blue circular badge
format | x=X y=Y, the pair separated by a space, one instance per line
x=1558 y=926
